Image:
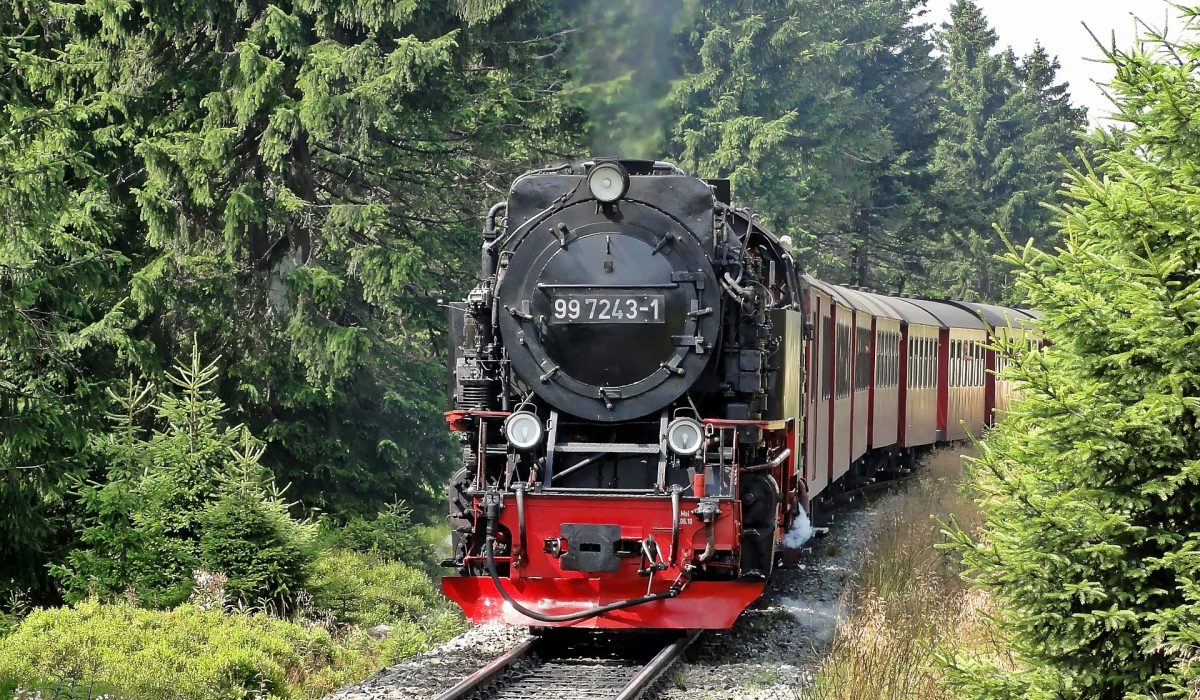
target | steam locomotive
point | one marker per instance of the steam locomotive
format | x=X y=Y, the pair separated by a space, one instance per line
x=651 y=396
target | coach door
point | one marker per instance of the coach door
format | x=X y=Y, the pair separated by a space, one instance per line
x=843 y=351
x=820 y=386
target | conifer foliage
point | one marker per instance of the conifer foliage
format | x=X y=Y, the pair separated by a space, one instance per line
x=821 y=114
x=183 y=492
x=295 y=183
x=1092 y=484
x=1005 y=124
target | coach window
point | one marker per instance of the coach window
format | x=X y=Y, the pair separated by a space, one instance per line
x=957 y=362
x=980 y=364
x=915 y=368
x=862 y=366
x=924 y=362
x=919 y=364
x=930 y=351
x=842 y=387
x=966 y=363
x=973 y=357
x=924 y=369
x=917 y=376
x=885 y=359
x=893 y=359
x=896 y=359
x=971 y=345
x=921 y=350
x=826 y=359
x=952 y=365
x=931 y=363
x=963 y=363
x=933 y=352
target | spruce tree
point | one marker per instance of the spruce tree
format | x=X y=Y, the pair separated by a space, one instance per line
x=1004 y=125
x=183 y=491
x=1091 y=484
x=64 y=253
x=821 y=115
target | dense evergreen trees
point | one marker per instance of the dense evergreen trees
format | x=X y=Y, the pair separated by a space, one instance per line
x=294 y=183
x=822 y=114
x=1091 y=483
x=888 y=164
x=1004 y=126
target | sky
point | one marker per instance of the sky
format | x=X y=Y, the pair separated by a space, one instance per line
x=1058 y=25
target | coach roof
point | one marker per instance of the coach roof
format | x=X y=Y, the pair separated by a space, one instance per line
x=949 y=314
x=909 y=312
x=871 y=303
x=997 y=316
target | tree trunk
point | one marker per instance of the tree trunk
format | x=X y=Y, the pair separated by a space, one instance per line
x=861 y=253
x=300 y=181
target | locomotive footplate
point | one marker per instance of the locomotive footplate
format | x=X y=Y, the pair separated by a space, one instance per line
x=702 y=605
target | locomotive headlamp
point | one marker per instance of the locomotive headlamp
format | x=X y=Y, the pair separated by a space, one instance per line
x=523 y=430
x=608 y=181
x=685 y=436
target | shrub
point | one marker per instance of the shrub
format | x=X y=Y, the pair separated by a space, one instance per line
x=390 y=535
x=360 y=589
x=183 y=654
x=247 y=534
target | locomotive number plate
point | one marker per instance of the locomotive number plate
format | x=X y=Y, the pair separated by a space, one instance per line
x=608 y=308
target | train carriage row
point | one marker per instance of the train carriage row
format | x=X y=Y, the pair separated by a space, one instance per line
x=899 y=372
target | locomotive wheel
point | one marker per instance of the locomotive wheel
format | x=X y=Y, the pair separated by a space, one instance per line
x=760 y=506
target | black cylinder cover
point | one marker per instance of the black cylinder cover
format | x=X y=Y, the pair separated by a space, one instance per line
x=608 y=314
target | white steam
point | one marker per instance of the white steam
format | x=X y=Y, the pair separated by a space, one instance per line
x=801 y=532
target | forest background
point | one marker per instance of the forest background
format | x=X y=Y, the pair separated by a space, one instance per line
x=228 y=227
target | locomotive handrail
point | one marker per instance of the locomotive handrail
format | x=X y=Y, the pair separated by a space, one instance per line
x=676 y=515
x=566 y=285
x=580 y=465
x=519 y=487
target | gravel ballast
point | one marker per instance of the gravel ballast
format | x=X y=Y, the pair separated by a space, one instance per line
x=437 y=670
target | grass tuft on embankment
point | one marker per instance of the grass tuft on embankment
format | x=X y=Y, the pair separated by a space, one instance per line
x=907 y=604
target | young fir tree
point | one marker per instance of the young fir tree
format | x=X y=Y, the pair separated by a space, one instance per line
x=110 y=539
x=184 y=495
x=1091 y=484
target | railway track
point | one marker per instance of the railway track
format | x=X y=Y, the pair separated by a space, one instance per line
x=561 y=666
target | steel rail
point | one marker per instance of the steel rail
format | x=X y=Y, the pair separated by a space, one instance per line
x=489 y=680
x=490 y=671
x=653 y=670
